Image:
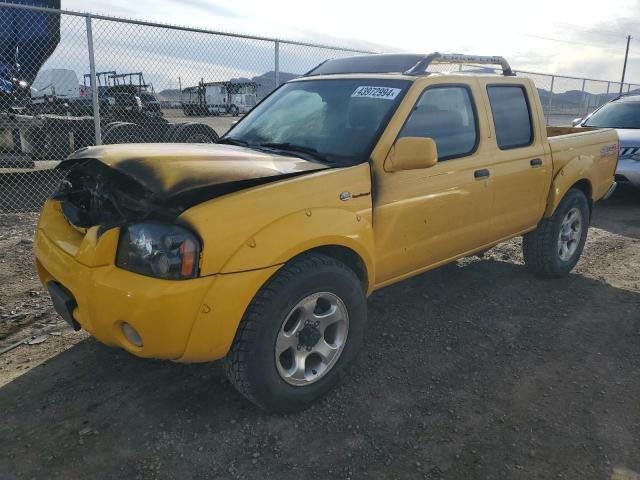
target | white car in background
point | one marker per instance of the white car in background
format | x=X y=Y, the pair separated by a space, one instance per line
x=623 y=114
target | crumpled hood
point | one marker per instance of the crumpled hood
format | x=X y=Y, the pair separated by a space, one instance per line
x=171 y=169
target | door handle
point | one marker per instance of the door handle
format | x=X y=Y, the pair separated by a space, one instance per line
x=484 y=173
x=536 y=162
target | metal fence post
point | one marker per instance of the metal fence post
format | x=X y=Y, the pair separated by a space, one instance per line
x=277 y=63
x=585 y=102
x=550 y=99
x=94 y=84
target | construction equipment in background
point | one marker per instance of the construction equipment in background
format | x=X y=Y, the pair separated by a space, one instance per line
x=113 y=85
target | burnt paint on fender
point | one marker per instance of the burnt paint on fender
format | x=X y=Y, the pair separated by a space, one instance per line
x=168 y=170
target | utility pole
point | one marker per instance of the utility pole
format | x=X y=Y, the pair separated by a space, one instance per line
x=180 y=84
x=624 y=67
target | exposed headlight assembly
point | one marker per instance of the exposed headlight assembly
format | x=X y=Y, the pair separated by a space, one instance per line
x=158 y=250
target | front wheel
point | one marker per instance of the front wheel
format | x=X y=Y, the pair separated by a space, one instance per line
x=299 y=334
x=554 y=248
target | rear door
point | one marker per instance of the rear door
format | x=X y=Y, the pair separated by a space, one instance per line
x=521 y=166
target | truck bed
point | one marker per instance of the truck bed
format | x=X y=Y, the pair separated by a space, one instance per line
x=595 y=148
x=559 y=131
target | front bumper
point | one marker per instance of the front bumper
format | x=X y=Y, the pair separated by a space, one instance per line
x=188 y=320
x=628 y=171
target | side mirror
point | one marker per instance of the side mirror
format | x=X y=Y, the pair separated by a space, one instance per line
x=575 y=122
x=411 y=153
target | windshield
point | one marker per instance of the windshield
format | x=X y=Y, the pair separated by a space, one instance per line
x=616 y=115
x=334 y=121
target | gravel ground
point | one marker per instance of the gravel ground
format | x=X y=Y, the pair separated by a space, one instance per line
x=474 y=370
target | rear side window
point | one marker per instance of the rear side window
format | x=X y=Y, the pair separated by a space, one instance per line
x=511 y=116
x=445 y=114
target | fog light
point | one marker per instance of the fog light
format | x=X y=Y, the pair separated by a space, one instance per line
x=132 y=334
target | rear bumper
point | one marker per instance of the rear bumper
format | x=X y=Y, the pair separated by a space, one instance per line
x=612 y=189
x=190 y=320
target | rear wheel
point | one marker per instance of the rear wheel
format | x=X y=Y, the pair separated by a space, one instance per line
x=299 y=334
x=554 y=248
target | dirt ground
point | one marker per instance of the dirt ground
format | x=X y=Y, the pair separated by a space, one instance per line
x=475 y=370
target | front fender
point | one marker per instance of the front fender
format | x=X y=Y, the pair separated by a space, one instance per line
x=304 y=230
x=579 y=168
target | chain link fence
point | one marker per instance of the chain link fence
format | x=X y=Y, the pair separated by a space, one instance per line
x=69 y=80
x=100 y=80
x=565 y=98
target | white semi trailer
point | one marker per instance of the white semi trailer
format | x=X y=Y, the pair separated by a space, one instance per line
x=218 y=98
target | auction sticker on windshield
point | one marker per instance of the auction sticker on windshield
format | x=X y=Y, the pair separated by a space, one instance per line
x=376 y=92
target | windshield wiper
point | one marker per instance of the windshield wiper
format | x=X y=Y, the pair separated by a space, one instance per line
x=292 y=147
x=234 y=141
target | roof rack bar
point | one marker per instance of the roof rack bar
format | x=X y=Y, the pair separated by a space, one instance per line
x=436 y=57
x=305 y=74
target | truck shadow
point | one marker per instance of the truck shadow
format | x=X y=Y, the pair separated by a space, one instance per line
x=474 y=363
x=620 y=214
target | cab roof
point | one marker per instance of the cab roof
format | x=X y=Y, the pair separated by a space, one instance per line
x=410 y=64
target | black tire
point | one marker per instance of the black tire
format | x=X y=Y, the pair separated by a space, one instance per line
x=540 y=247
x=48 y=143
x=108 y=126
x=234 y=110
x=251 y=364
x=122 y=132
x=193 y=133
x=106 y=129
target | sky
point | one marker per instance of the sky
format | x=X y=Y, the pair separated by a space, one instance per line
x=575 y=38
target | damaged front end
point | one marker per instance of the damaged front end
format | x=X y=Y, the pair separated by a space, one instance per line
x=118 y=184
x=150 y=242
x=95 y=194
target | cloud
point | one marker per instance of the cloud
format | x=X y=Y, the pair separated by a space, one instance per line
x=106 y=7
x=593 y=50
x=491 y=27
x=167 y=57
x=211 y=7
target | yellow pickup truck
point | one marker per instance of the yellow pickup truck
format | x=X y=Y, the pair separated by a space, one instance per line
x=262 y=249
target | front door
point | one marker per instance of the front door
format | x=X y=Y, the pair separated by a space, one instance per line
x=427 y=216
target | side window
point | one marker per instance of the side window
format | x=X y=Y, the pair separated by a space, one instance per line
x=447 y=115
x=511 y=116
